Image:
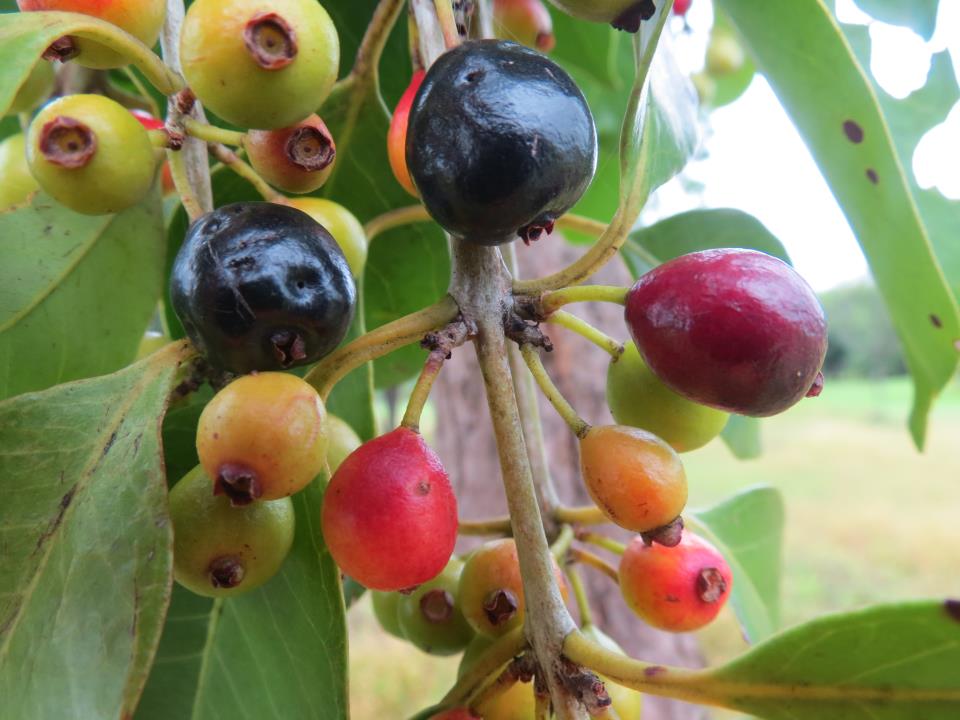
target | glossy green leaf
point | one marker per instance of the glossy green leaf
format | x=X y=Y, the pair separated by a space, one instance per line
x=76 y=291
x=893 y=662
x=829 y=98
x=277 y=652
x=919 y=15
x=85 y=567
x=742 y=436
x=748 y=530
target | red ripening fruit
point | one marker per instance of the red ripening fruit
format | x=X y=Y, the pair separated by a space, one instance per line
x=151 y=123
x=296 y=159
x=734 y=329
x=527 y=22
x=389 y=514
x=678 y=589
x=397 y=136
x=680 y=7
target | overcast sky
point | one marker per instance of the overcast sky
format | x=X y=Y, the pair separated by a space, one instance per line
x=744 y=167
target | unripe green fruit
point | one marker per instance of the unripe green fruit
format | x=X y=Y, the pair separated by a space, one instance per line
x=724 y=54
x=90 y=154
x=622 y=14
x=430 y=616
x=260 y=65
x=16 y=182
x=219 y=550
x=342 y=224
x=385 y=609
x=341 y=441
x=35 y=89
x=639 y=398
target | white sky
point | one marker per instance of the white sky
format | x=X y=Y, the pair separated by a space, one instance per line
x=799 y=208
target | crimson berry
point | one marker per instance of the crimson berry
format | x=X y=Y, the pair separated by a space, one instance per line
x=296 y=159
x=397 y=135
x=389 y=513
x=678 y=589
x=681 y=7
x=734 y=329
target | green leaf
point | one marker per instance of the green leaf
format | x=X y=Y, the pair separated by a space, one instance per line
x=748 y=530
x=742 y=436
x=352 y=397
x=829 y=98
x=277 y=652
x=76 y=291
x=919 y=15
x=86 y=561
x=893 y=662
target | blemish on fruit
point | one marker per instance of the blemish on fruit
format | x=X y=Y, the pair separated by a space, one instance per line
x=270 y=40
x=226 y=572
x=654 y=670
x=629 y=20
x=872 y=176
x=437 y=606
x=237 y=482
x=499 y=606
x=711 y=586
x=67 y=142
x=310 y=148
x=953 y=609
x=936 y=321
x=423 y=487
x=853 y=131
x=817 y=386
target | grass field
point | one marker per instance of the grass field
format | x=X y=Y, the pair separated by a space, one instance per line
x=868 y=520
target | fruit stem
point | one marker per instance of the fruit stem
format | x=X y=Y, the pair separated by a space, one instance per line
x=588 y=331
x=158 y=138
x=485 y=18
x=421 y=391
x=212 y=133
x=374 y=40
x=596 y=562
x=181 y=180
x=494 y=526
x=577 y=424
x=145 y=95
x=586 y=515
x=602 y=541
x=553 y=301
x=561 y=545
x=376 y=343
x=394 y=219
x=580 y=595
x=448 y=23
x=491 y=661
x=229 y=158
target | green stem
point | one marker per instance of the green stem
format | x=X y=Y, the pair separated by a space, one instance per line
x=577 y=424
x=553 y=301
x=374 y=40
x=580 y=595
x=142 y=89
x=394 y=219
x=495 y=526
x=158 y=138
x=562 y=544
x=596 y=562
x=233 y=161
x=421 y=391
x=189 y=199
x=212 y=133
x=376 y=343
x=587 y=515
x=588 y=331
x=602 y=541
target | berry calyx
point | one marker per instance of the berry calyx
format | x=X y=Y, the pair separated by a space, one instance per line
x=219 y=550
x=527 y=22
x=141 y=18
x=262 y=286
x=90 y=154
x=397 y=135
x=737 y=330
x=18 y=184
x=262 y=437
x=296 y=159
x=389 y=513
x=678 y=589
x=638 y=398
x=492 y=177
x=257 y=67
x=634 y=477
x=430 y=617
x=34 y=90
x=491 y=588
x=624 y=15
x=341 y=224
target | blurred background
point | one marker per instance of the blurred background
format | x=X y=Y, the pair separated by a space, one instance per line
x=868 y=518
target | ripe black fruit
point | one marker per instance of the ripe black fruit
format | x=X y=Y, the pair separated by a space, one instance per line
x=261 y=286
x=500 y=142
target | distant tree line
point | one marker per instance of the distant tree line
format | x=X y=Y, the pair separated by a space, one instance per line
x=862 y=339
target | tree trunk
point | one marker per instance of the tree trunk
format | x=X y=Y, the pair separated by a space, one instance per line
x=464 y=440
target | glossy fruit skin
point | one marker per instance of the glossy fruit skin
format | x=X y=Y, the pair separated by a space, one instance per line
x=225 y=75
x=262 y=286
x=386 y=609
x=268 y=152
x=207 y=529
x=397 y=135
x=734 y=329
x=430 y=616
x=638 y=398
x=490 y=571
x=342 y=224
x=527 y=22
x=265 y=430
x=678 y=589
x=491 y=177
x=18 y=183
x=625 y=702
x=622 y=14
x=341 y=441
x=141 y=18
x=389 y=513
x=633 y=476
x=35 y=89
x=118 y=173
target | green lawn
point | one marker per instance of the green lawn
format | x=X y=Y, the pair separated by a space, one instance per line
x=868 y=520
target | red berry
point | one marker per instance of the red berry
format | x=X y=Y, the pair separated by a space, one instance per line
x=680 y=7
x=397 y=137
x=734 y=329
x=678 y=589
x=147 y=120
x=389 y=514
